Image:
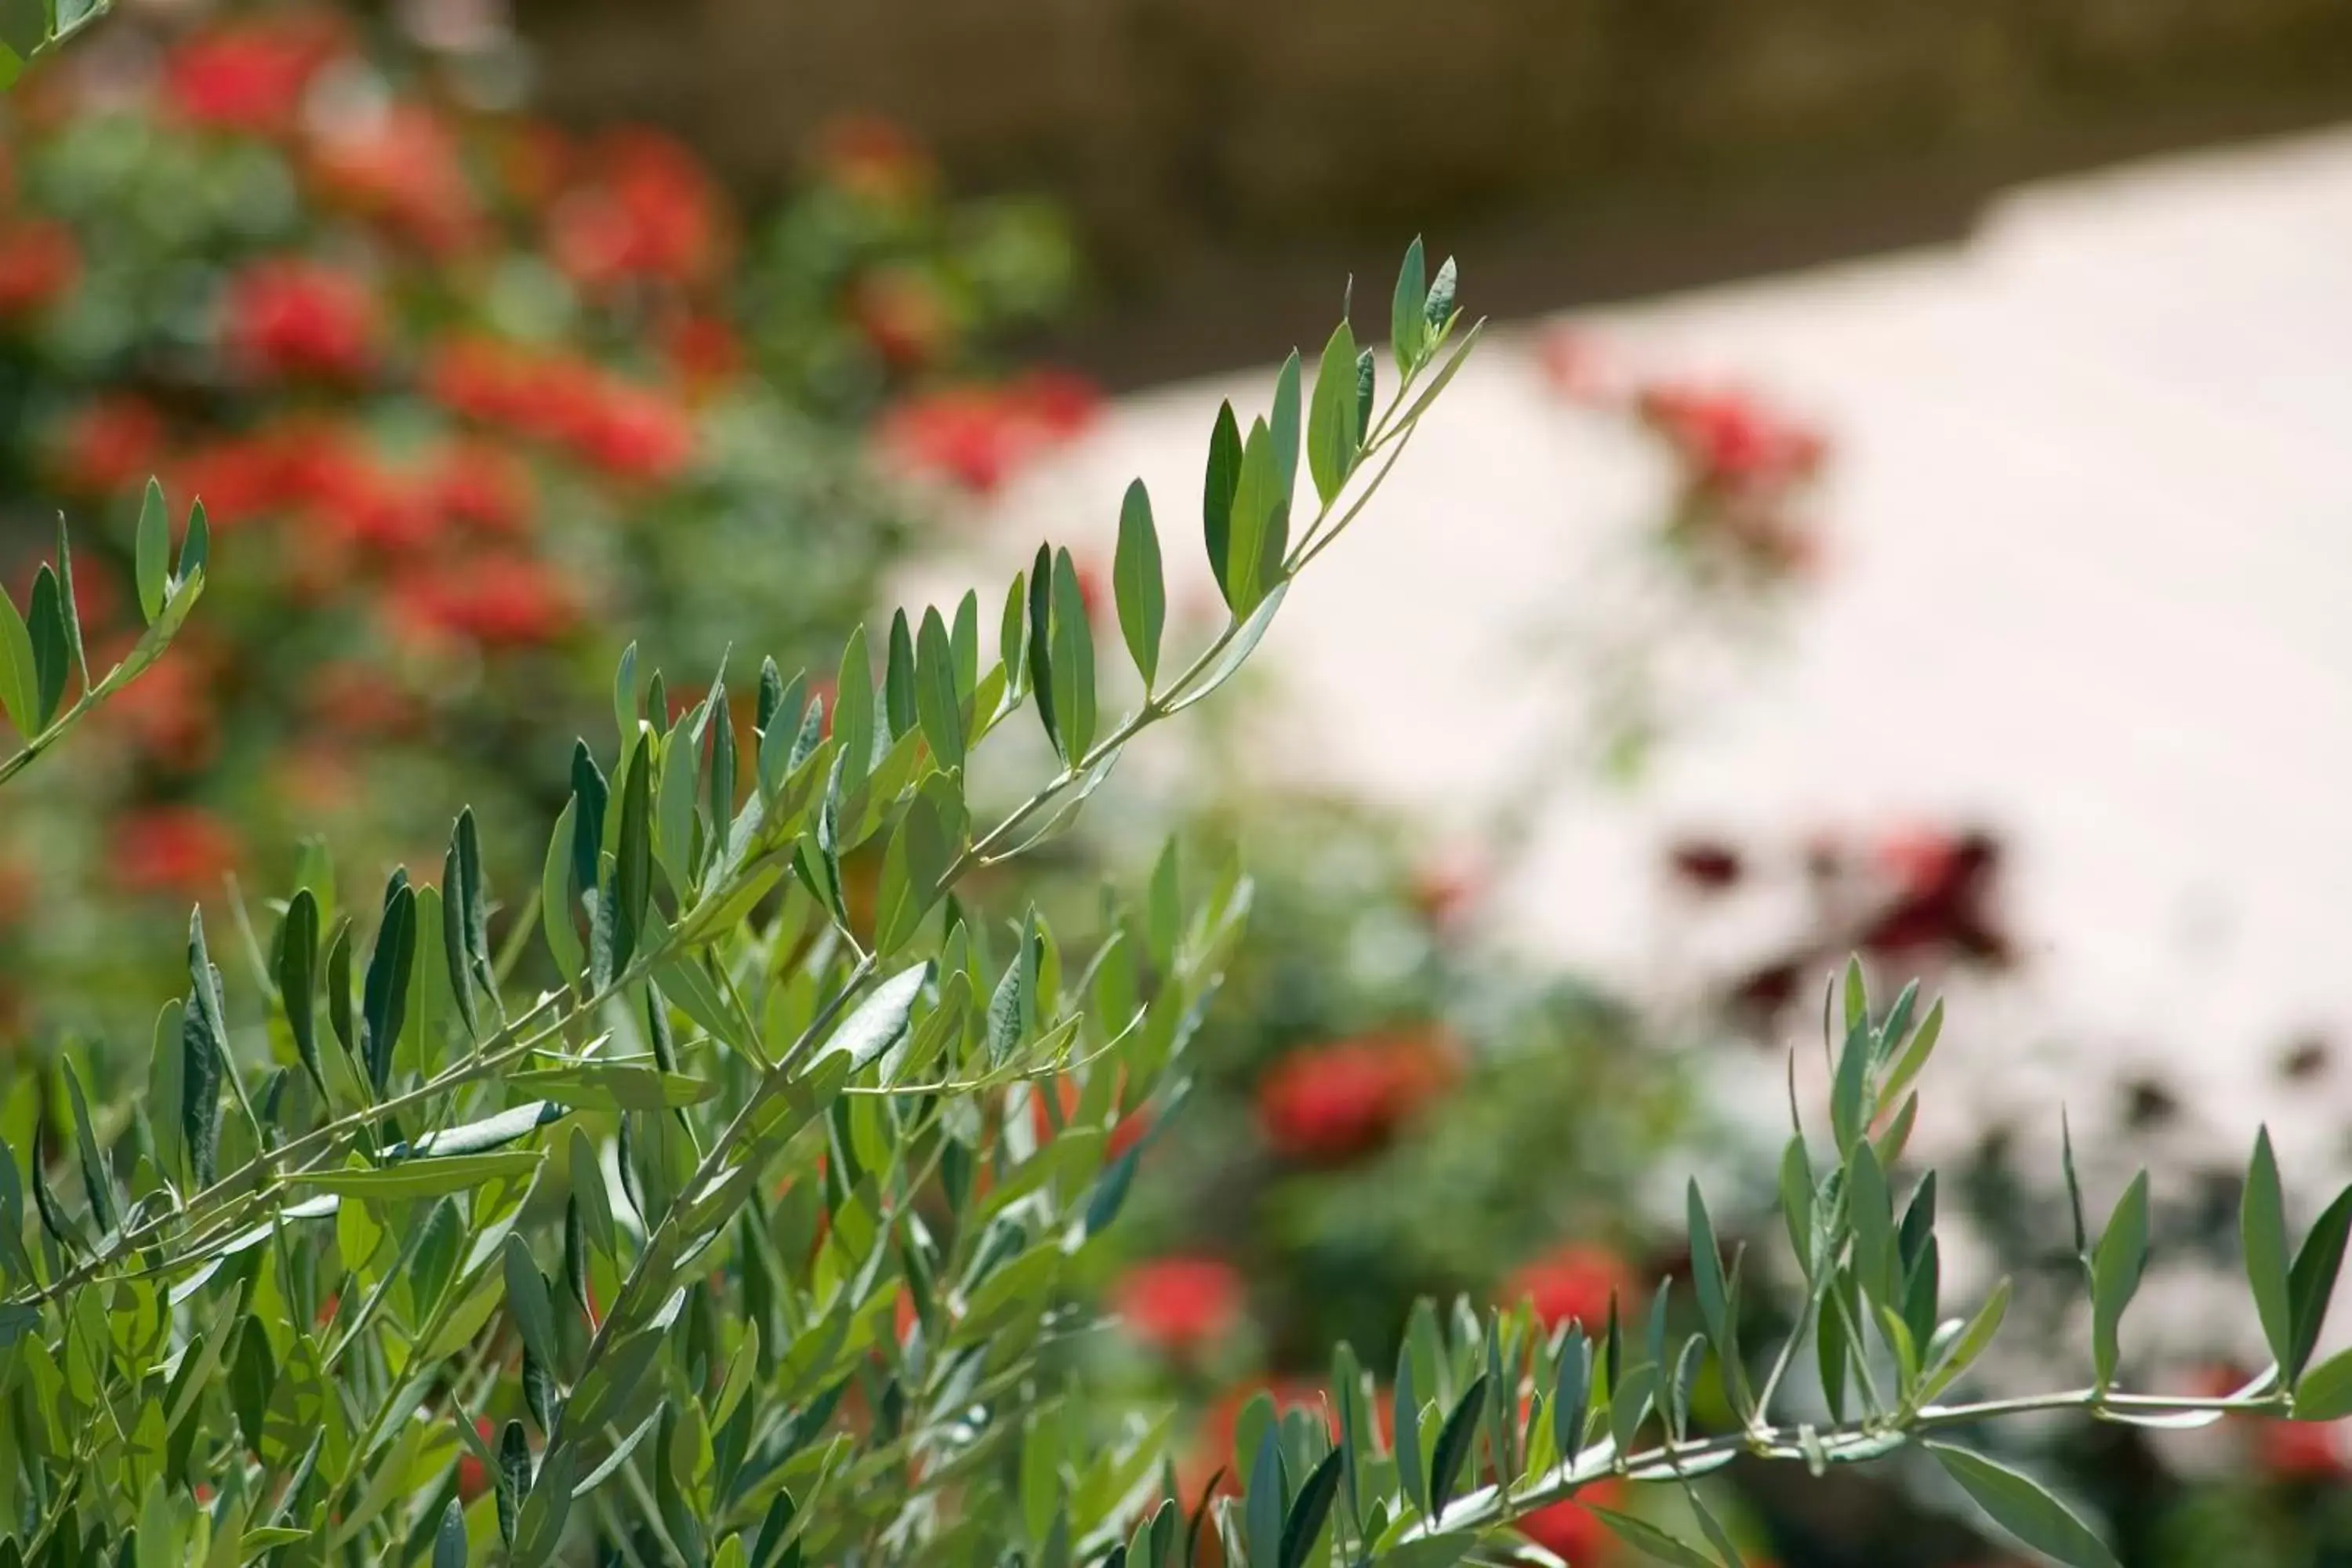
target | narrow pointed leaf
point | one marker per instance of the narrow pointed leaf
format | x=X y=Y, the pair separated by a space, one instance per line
x=2019 y=1506
x=1139 y=583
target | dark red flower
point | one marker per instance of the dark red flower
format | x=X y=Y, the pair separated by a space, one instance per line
x=1707 y=865
x=2305 y=1450
x=1179 y=1306
x=40 y=261
x=703 y=350
x=109 y=445
x=1572 y=1283
x=249 y=78
x=177 y=851
x=1335 y=1103
x=635 y=433
x=288 y=316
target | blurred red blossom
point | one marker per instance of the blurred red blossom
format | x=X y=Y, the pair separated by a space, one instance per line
x=108 y=445
x=1731 y=439
x=479 y=486
x=402 y=169
x=901 y=314
x=501 y=601
x=977 y=437
x=1334 y=1103
x=649 y=211
x=40 y=261
x=178 y=851
x=1573 y=1283
x=249 y=77
x=168 y=713
x=1571 y=1530
x=289 y=315
x=1179 y=1306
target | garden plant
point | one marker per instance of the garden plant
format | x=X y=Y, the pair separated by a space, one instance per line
x=744 y=1239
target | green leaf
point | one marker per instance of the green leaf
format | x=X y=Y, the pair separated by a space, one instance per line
x=151 y=558
x=1707 y=1269
x=298 y=980
x=594 y=1084
x=1041 y=644
x=1139 y=583
x=1217 y=497
x=853 y=710
x=1571 y=1395
x=879 y=1020
x=449 y=1539
x=20 y=684
x=52 y=648
x=421 y=1178
x=1652 y=1541
x=203 y=1041
x=513 y=1477
x=938 y=701
x=1013 y=639
x=1334 y=429
x=1408 y=324
x=1456 y=1439
x=555 y=915
x=1260 y=524
x=1237 y=652
x=921 y=852
x=2019 y=1506
x=97 y=1182
x=528 y=1302
x=1440 y=309
x=2116 y=1269
x=898 y=706
x=166 y=1099
x=1072 y=679
x=1283 y=428
x=1962 y=1353
x=1310 y=1510
x=633 y=871
x=385 y=992
x=588 y=1190
x=2313 y=1279
x=195 y=548
x=1262 y=1507
x=2324 y=1392
x=2261 y=1221
x=1405 y=1415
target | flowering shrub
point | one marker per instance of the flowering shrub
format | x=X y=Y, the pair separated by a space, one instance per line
x=460 y=395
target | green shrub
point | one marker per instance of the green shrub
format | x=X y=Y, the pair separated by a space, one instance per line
x=746 y=1241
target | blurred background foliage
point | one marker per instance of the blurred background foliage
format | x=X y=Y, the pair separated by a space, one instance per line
x=470 y=391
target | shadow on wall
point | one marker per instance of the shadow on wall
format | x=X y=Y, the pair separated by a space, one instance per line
x=1225 y=151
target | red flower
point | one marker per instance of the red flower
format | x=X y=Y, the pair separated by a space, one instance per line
x=1336 y=1103
x=635 y=433
x=1574 y=1282
x=39 y=261
x=1179 y=1306
x=703 y=351
x=403 y=171
x=1706 y=865
x=650 y=212
x=177 y=851
x=504 y=600
x=1572 y=1529
x=250 y=79
x=168 y=712
x=479 y=486
x=109 y=445
x=978 y=436
x=1732 y=441
x=291 y=317
x=355 y=697
x=473 y=1480
x=2305 y=1450
x=1576 y=367
x=239 y=479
